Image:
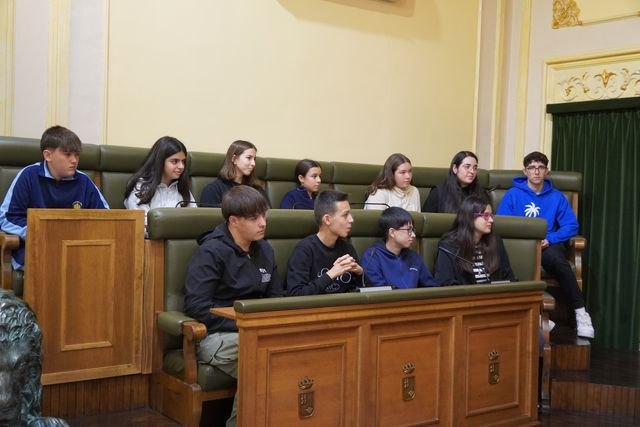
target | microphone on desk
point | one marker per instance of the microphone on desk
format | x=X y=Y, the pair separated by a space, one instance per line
x=364 y=267
x=364 y=287
x=185 y=203
x=473 y=264
x=443 y=249
x=368 y=204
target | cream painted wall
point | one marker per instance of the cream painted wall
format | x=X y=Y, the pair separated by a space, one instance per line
x=351 y=80
x=30 y=68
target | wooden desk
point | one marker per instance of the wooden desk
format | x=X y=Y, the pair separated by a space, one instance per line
x=453 y=361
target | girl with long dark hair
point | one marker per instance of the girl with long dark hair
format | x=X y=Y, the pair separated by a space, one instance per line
x=470 y=252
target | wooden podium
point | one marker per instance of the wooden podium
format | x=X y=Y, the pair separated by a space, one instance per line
x=463 y=360
x=83 y=279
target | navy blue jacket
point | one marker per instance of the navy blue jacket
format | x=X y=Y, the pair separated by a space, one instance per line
x=34 y=187
x=298 y=198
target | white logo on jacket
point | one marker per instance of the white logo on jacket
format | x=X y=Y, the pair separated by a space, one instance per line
x=531 y=210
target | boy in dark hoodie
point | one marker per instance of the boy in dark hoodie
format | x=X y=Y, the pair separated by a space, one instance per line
x=325 y=262
x=233 y=262
x=533 y=196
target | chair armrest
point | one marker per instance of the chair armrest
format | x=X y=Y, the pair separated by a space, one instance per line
x=548 y=304
x=176 y=323
x=8 y=242
x=577 y=245
x=171 y=322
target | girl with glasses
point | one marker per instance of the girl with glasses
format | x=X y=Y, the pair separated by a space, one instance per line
x=470 y=252
x=391 y=261
x=461 y=182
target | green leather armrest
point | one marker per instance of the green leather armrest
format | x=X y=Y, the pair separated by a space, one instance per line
x=171 y=322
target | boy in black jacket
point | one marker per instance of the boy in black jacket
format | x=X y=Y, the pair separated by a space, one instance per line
x=233 y=262
x=326 y=262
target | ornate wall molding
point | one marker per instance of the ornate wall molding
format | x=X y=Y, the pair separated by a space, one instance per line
x=619 y=82
x=566 y=13
x=588 y=78
x=596 y=78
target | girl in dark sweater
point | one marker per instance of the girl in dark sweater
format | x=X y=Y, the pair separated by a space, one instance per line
x=470 y=252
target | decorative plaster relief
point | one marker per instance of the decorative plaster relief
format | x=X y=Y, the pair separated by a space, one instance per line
x=566 y=13
x=607 y=84
x=616 y=76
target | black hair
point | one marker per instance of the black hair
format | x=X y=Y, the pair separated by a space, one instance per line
x=326 y=203
x=454 y=192
x=150 y=172
x=303 y=167
x=393 y=217
x=243 y=201
x=60 y=137
x=462 y=233
x=535 y=156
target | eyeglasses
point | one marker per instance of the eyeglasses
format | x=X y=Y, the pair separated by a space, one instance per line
x=409 y=230
x=485 y=215
x=536 y=169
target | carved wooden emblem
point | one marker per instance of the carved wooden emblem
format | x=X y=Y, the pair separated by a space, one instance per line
x=494 y=367
x=305 y=398
x=408 y=382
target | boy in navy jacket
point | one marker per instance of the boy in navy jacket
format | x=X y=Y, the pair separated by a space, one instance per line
x=55 y=182
x=534 y=196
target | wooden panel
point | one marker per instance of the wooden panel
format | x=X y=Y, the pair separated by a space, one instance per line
x=283 y=361
x=496 y=376
x=84 y=281
x=356 y=355
x=426 y=345
x=95 y=397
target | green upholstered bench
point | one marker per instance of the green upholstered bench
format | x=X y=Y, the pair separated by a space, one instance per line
x=117 y=164
x=172 y=240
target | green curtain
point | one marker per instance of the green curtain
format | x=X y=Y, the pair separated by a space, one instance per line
x=605 y=147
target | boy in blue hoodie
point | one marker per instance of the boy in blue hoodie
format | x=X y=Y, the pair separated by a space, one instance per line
x=391 y=262
x=232 y=262
x=533 y=196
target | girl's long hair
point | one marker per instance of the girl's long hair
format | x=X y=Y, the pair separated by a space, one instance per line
x=152 y=167
x=228 y=169
x=454 y=193
x=462 y=233
x=386 y=177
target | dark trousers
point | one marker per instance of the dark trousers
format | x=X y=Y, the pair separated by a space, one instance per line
x=554 y=262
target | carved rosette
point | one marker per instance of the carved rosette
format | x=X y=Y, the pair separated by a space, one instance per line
x=607 y=84
x=566 y=13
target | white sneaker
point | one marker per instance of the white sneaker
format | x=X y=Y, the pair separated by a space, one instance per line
x=584 y=326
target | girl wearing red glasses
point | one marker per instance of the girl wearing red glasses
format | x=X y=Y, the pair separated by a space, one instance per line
x=470 y=252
